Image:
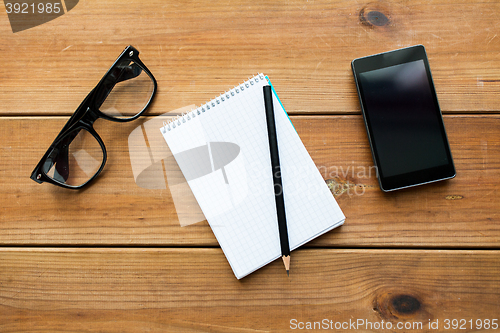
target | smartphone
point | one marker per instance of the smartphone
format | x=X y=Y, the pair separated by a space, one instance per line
x=403 y=119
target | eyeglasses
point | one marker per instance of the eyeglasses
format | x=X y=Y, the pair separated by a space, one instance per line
x=78 y=154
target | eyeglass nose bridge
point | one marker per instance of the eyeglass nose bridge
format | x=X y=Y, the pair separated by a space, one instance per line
x=89 y=117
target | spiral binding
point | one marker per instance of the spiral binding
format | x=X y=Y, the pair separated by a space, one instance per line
x=184 y=117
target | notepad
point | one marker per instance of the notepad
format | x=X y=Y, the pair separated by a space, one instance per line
x=222 y=150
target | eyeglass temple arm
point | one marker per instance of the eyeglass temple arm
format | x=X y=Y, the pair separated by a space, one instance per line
x=61 y=171
x=129 y=72
x=125 y=73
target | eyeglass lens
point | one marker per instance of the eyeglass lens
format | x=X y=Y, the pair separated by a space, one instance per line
x=131 y=89
x=75 y=159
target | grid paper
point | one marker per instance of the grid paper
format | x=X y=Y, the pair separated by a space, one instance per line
x=242 y=211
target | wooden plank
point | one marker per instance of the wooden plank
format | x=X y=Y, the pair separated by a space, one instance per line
x=194 y=290
x=199 y=49
x=462 y=212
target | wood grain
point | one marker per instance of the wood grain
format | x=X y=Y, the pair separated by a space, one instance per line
x=113 y=257
x=462 y=212
x=199 y=49
x=194 y=290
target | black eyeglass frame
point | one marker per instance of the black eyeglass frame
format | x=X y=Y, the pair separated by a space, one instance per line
x=88 y=112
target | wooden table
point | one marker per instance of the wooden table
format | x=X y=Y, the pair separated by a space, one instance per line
x=113 y=258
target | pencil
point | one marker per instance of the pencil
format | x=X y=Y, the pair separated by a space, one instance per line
x=278 y=186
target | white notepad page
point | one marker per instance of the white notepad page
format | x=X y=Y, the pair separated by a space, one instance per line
x=222 y=149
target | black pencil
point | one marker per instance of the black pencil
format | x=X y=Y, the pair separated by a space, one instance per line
x=278 y=186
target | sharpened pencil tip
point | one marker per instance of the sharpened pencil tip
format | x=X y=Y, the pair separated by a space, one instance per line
x=286 y=261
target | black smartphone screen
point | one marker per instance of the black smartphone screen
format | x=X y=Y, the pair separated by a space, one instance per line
x=403 y=118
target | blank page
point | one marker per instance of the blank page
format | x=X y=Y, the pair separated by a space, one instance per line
x=222 y=149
